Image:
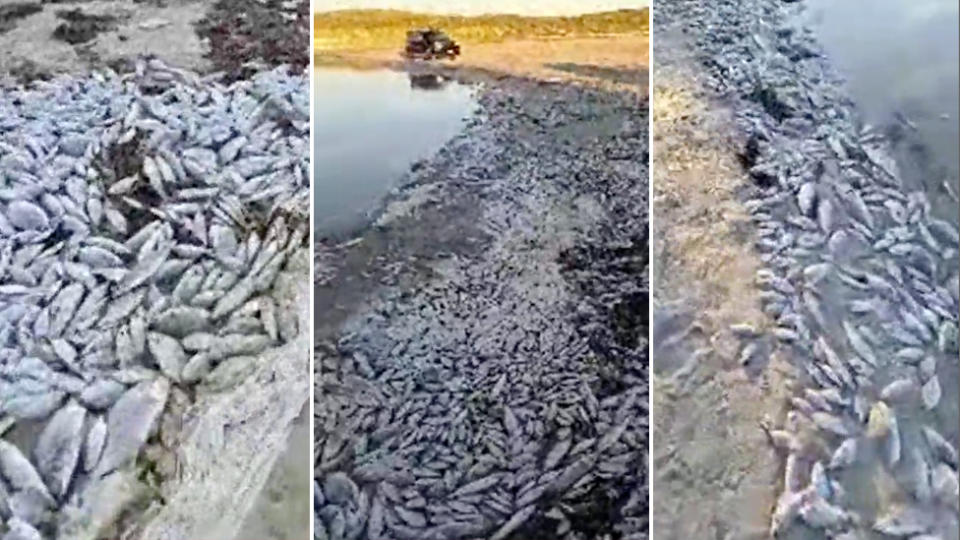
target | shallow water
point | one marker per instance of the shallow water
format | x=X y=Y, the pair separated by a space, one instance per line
x=369 y=127
x=902 y=64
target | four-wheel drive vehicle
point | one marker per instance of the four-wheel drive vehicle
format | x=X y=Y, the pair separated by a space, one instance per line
x=430 y=43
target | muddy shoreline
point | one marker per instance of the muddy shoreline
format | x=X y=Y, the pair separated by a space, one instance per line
x=559 y=244
x=87 y=47
x=857 y=284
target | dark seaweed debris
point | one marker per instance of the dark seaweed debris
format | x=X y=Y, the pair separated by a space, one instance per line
x=80 y=27
x=246 y=35
x=10 y=13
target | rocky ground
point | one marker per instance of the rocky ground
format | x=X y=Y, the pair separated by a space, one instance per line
x=837 y=297
x=153 y=263
x=481 y=349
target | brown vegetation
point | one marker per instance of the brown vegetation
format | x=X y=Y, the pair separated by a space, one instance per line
x=373 y=29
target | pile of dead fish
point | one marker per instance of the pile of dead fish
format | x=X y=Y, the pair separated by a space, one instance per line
x=143 y=219
x=495 y=401
x=861 y=278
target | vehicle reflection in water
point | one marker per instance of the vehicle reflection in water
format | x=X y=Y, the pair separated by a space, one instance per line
x=369 y=127
x=428 y=81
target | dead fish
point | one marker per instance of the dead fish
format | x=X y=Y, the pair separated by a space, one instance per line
x=930 y=393
x=910 y=354
x=816 y=273
x=556 y=453
x=136 y=241
x=927 y=368
x=940 y=446
x=893 y=442
x=57 y=450
x=845 y=454
x=93 y=444
x=122 y=308
x=189 y=283
x=101 y=393
x=64 y=306
x=947 y=338
x=206 y=299
x=97 y=256
x=180 y=321
x=199 y=341
x=477 y=486
x=152 y=172
x=944 y=486
x=228 y=374
x=26 y=215
x=515 y=522
x=831 y=423
x=806 y=198
x=859 y=345
x=903 y=522
x=65 y=352
x=268 y=318
x=18 y=529
x=115 y=219
x=130 y=421
x=138 y=332
x=898 y=390
x=166 y=170
x=229 y=151
x=34 y=406
x=817 y=400
x=787 y=509
x=168 y=354
x=233 y=299
x=820 y=514
x=124 y=185
x=17 y=470
x=146 y=267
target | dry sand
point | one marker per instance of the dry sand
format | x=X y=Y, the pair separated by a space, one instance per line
x=710 y=452
x=564 y=59
x=145 y=27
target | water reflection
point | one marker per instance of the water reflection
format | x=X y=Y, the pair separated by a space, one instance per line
x=428 y=81
x=902 y=64
x=369 y=127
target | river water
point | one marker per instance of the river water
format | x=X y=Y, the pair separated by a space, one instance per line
x=901 y=63
x=901 y=60
x=369 y=128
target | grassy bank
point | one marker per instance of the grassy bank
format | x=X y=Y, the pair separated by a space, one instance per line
x=383 y=29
